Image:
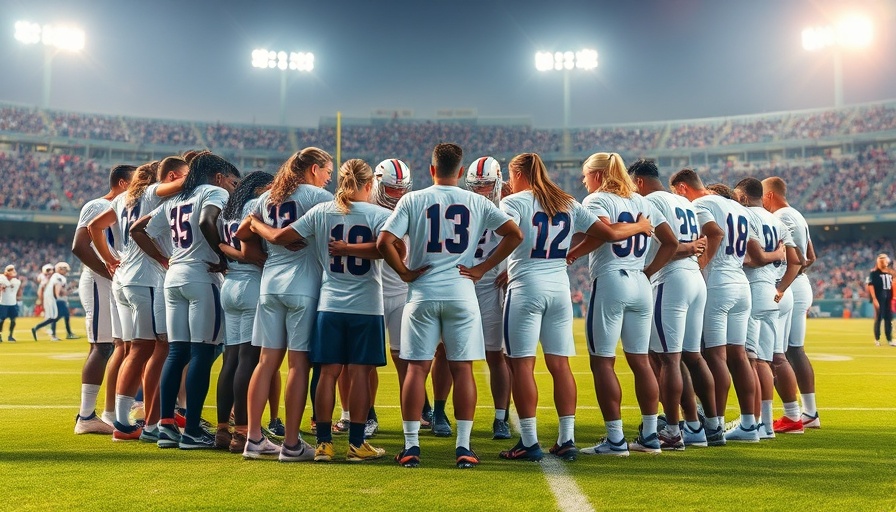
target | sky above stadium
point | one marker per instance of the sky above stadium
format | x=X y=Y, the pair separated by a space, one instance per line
x=658 y=60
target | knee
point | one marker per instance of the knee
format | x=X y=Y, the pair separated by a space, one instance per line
x=104 y=349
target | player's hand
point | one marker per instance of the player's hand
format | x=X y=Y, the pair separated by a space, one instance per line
x=699 y=246
x=502 y=280
x=645 y=225
x=780 y=252
x=218 y=268
x=778 y=296
x=876 y=304
x=113 y=266
x=163 y=261
x=297 y=245
x=39 y=302
x=338 y=248
x=473 y=273
x=412 y=274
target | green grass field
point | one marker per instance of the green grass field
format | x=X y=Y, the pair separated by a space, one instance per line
x=850 y=464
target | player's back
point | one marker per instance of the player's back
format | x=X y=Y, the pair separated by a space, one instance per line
x=799 y=228
x=771 y=232
x=89 y=211
x=682 y=217
x=443 y=224
x=238 y=269
x=350 y=284
x=726 y=266
x=136 y=267
x=289 y=272
x=628 y=254
x=541 y=257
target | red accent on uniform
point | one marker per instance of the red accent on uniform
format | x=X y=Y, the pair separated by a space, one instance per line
x=397 y=170
x=480 y=167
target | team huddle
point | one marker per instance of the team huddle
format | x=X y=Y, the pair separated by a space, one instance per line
x=186 y=257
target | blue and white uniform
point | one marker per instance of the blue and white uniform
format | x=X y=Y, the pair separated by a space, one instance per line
x=679 y=292
x=489 y=296
x=290 y=281
x=189 y=286
x=728 y=301
x=242 y=284
x=621 y=298
x=802 y=289
x=538 y=305
x=443 y=223
x=764 y=313
x=395 y=296
x=349 y=327
x=138 y=284
x=95 y=292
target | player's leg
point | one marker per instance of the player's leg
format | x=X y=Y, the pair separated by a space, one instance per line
x=558 y=345
x=441 y=388
x=270 y=335
x=420 y=329
x=888 y=322
x=491 y=304
x=176 y=303
x=878 y=318
x=796 y=354
x=742 y=375
x=224 y=397
x=328 y=351
x=635 y=343
x=719 y=301
x=372 y=425
x=300 y=320
x=131 y=371
x=66 y=317
x=343 y=383
x=99 y=331
x=365 y=351
x=666 y=339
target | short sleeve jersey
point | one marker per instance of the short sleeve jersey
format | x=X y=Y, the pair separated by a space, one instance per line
x=8 y=295
x=228 y=227
x=50 y=289
x=487 y=243
x=883 y=285
x=680 y=214
x=192 y=254
x=136 y=267
x=628 y=254
x=771 y=232
x=541 y=257
x=350 y=285
x=291 y=272
x=443 y=224
x=799 y=228
x=726 y=266
x=90 y=211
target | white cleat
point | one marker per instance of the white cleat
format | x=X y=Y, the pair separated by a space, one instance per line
x=607 y=447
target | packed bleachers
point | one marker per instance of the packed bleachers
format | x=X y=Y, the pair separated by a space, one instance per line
x=167 y=133
x=80 y=126
x=27 y=183
x=238 y=137
x=20 y=120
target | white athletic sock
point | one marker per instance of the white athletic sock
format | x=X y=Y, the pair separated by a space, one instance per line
x=150 y=428
x=694 y=426
x=747 y=421
x=766 y=414
x=649 y=422
x=567 y=431
x=614 y=431
x=715 y=422
x=411 y=433
x=809 y=408
x=123 y=405
x=89 y=392
x=464 y=427
x=499 y=414
x=346 y=416
x=674 y=430
x=528 y=432
x=108 y=417
x=792 y=410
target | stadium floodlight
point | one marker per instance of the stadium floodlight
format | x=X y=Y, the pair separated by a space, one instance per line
x=292 y=61
x=54 y=38
x=853 y=32
x=566 y=61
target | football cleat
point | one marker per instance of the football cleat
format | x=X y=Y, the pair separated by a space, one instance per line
x=426 y=419
x=441 y=427
x=715 y=437
x=301 y=452
x=649 y=444
x=670 y=442
x=324 y=452
x=72 y=336
x=257 y=449
x=180 y=417
x=607 y=447
x=341 y=426
x=362 y=453
x=500 y=429
x=237 y=443
x=392 y=179
x=203 y=441
x=521 y=452
x=765 y=432
x=276 y=427
x=744 y=435
x=484 y=178
x=813 y=421
x=223 y=438
x=150 y=436
x=371 y=428
x=466 y=459
x=272 y=436
x=566 y=451
x=785 y=425
x=694 y=437
x=130 y=434
x=34 y=333
x=11 y=339
x=409 y=457
x=92 y=425
x=169 y=435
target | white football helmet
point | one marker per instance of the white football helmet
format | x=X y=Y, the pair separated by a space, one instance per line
x=392 y=179
x=484 y=178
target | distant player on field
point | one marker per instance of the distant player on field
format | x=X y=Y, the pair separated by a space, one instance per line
x=10 y=300
x=880 y=292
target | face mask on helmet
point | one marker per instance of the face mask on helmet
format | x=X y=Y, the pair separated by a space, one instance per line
x=484 y=178
x=392 y=180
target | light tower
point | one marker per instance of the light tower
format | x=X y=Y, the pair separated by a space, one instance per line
x=853 y=32
x=566 y=62
x=285 y=62
x=55 y=38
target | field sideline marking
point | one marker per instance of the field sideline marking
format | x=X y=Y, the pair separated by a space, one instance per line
x=566 y=491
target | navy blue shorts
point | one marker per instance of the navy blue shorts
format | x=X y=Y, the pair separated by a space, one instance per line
x=9 y=312
x=345 y=338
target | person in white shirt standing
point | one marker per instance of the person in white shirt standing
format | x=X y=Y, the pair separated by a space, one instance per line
x=10 y=300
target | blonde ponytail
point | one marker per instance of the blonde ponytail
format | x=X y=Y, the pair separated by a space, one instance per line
x=354 y=175
x=552 y=198
x=614 y=176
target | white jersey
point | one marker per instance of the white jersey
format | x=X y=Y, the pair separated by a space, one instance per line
x=726 y=267
x=291 y=272
x=631 y=253
x=681 y=216
x=442 y=223
x=50 y=288
x=350 y=285
x=180 y=217
x=90 y=211
x=799 y=228
x=773 y=231
x=486 y=246
x=227 y=228
x=393 y=286
x=541 y=258
x=136 y=267
x=8 y=295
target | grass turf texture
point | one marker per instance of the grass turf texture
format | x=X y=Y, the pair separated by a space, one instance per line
x=847 y=465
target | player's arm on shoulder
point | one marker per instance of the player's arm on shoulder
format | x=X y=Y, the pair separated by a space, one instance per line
x=208 y=225
x=668 y=246
x=714 y=236
x=511 y=238
x=171 y=188
x=810 y=254
x=96 y=228
x=793 y=269
x=387 y=244
x=83 y=251
x=145 y=242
